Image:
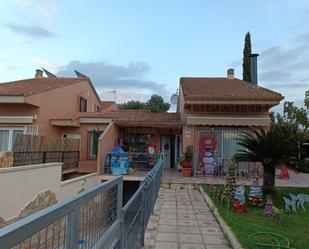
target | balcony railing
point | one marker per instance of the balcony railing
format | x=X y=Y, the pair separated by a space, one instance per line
x=92 y=219
x=137 y=161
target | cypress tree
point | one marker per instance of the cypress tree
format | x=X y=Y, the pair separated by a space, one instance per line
x=246 y=65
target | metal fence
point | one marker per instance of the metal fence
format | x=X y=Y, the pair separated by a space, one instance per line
x=138 y=161
x=93 y=219
x=68 y=158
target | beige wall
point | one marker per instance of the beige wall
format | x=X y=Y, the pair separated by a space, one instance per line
x=106 y=143
x=20 y=185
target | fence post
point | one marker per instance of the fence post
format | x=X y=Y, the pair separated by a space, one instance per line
x=74 y=219
x=120 y=214
x=143 y=218
x=44 y=157
x=62 y=156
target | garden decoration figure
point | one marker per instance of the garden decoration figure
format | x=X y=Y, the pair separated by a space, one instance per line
x=290 y=203
x=268 y=211
x=295 y=202
x=207 y=153
x=120 y=162
x=239 y=201
x=255 y=194
x=229 y=191
x=302 y=198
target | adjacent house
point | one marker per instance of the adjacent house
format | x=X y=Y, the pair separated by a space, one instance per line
x=219 y=109
x=54 y=107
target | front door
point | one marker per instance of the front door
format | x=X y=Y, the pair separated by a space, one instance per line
x=166 y=150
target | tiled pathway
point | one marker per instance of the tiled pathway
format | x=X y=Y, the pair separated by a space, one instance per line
x=182 y=220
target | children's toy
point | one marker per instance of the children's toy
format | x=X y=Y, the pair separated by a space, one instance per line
x=120 y=162
x=255 y=194
x=239 y=201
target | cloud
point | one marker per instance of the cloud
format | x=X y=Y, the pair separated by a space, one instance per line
x=128 y=81
x=30 y=31
x=46 y=9
x=284 y=67
x=275 y=76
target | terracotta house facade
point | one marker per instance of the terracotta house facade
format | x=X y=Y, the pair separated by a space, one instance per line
x=217 y=110
x=54 y=107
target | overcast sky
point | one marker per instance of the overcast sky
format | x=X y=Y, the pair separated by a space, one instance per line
x=142 y=47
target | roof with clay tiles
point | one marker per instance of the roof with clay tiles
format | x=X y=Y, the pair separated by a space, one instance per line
x=224 y=88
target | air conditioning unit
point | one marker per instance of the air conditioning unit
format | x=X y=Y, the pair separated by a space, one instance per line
x=31 y=130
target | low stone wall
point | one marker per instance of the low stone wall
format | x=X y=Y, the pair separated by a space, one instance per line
x=35 y=187
x=6 y=159
x=42 y=200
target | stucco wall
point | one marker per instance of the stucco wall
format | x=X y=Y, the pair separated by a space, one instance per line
x=106 y=143
x=84 y=131
x=62 y=101
x=20 y=185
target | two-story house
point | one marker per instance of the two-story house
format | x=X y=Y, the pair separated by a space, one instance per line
x=54 y=107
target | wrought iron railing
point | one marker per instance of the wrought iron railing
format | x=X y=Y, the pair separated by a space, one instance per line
x=92 y=219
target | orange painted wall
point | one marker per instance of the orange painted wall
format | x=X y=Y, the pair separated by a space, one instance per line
x=55 y=103
x=106 y=144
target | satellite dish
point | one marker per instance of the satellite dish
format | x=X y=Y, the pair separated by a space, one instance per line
x=174 y=99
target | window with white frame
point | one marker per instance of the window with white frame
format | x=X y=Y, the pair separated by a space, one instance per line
x=7 y=137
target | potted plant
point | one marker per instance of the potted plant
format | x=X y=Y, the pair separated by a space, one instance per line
x=179 y=163
x=187 y=164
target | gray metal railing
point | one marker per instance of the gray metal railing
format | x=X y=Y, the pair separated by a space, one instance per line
x=137 y=161
x=92 y=219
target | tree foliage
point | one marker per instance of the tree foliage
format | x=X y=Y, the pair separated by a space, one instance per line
x=155 y=104
x=246 y=65
x=132 y=105
x=293 y=116
x=270 y=147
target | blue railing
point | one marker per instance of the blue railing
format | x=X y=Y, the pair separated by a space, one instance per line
x=92 y=219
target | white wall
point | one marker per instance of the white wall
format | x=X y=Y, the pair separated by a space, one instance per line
x=20 y=185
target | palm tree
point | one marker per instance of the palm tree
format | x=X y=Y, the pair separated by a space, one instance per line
x=270 y=147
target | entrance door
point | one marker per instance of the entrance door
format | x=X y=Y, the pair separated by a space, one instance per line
x=166 y=149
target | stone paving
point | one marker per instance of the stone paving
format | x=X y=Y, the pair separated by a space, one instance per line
x=183 y=220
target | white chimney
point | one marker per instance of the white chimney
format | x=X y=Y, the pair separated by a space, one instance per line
x=230 y=73
x=38 y=73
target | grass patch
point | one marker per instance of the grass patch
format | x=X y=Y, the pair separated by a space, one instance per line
x=294 y=227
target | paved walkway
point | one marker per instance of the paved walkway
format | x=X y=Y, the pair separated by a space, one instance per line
x=183 y=220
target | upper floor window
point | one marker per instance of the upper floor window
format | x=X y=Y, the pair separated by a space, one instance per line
x=82 y=104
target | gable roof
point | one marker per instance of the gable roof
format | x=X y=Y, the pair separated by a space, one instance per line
x=224 y=88
x=29 y=87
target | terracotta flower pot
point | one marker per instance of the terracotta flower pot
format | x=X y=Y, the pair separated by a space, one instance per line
x=186 y=165
x=187 y=171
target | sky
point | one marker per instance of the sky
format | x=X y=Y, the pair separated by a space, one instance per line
x=142 y=47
